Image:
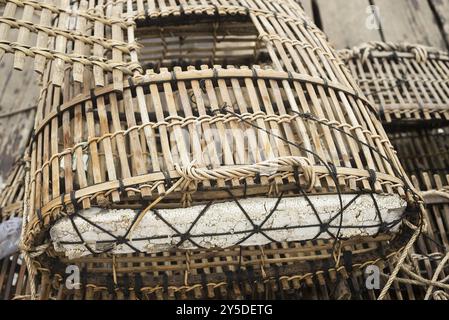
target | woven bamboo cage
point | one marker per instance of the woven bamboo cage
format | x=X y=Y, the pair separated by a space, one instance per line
x=13 y=276
x=407 y=83
x=152 y=113
x=425 y=155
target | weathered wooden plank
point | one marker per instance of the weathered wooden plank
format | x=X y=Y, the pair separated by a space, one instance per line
x=409 y=21
x=15 y=129
x=441 y=7
x=348 y=22
x=307 y=6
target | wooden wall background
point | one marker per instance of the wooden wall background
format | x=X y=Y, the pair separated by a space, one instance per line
x=416 y=21
x=18 y=91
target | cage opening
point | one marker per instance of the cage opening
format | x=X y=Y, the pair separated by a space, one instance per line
x=232 y=40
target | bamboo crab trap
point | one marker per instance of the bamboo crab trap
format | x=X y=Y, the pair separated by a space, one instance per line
x=13 y=276
x=424 y=153
x=213 y=149
x=409 y=85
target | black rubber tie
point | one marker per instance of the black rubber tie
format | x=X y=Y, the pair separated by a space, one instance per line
x=64 y=206
x=372 y=178
x=255 y=76
x=110 y=285
x=174 y=80
x=168 y=182
x=381 y=111
x=84 y=277
x=245 y=189
x=33 y=135
x=204 y=284
x=326 y=85
x=251 y=276
x=296 y=176
x=132 y=86
x=165 y=282
x=121 y=186
x=138 y=285
x=229 y=279
x=126 y=285
x=73 y=200
x=93 y=98
x=290 y=78
x=347 y=258
x=277 y=277
x=39 y=216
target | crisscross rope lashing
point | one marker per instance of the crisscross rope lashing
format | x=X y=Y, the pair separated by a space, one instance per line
x=118 y=239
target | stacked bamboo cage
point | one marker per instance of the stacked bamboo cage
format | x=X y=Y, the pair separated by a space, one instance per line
x=409 y=86
x=13 y=276
x=142 y=108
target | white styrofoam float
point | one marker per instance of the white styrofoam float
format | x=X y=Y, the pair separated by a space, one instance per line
x=224 y=224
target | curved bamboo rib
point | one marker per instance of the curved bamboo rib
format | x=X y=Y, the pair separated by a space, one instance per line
x=208 y=74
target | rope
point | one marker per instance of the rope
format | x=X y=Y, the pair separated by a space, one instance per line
x=401 y=260
x=440 y=295
x=153 y=204
x=435 y=276
x=365 y=51
x=191 y=173
x=32 y=271
x=418 y=281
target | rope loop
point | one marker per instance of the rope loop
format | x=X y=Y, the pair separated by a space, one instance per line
x=192 y=173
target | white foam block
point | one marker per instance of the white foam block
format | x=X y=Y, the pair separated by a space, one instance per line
x=224 y=224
